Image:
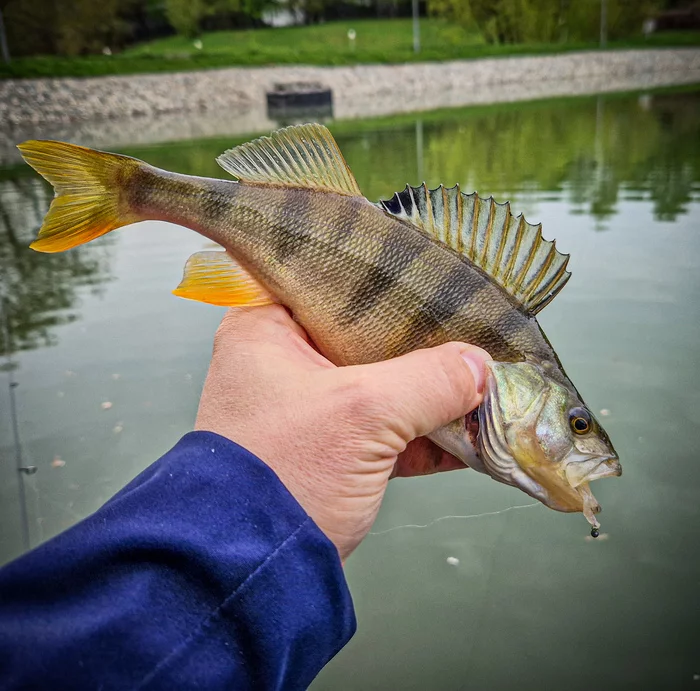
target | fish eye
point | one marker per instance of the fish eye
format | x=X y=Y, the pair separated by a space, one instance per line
x=580 y=420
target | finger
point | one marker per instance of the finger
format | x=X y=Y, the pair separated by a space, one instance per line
x=423 y=457
x=426 y=389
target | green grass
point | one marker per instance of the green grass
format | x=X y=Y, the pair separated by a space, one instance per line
x=378 y=41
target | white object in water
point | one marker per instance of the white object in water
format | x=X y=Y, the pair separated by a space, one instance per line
x=453 y=561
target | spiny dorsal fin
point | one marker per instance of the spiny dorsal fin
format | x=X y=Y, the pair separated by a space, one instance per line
x=508 y=248
x=296 y=156
x=216 y=278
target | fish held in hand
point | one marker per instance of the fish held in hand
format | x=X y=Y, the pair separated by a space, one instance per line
x=367 y=281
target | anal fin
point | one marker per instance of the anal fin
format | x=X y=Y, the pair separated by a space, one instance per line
x=216 y=278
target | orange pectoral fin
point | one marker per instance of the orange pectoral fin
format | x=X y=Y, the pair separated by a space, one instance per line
x=216 y=278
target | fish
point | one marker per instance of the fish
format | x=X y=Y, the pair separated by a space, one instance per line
x=368 y=281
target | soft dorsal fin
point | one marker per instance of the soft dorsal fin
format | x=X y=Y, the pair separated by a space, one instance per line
x=508 y=248
x=296 y=156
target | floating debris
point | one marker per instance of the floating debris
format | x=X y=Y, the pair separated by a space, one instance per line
x=452 y=561
x=57 y=462
x=118 y=428
x=60 y=394
x=70 y=373
x=116 y=376
x=106 y=405
x=604 y=412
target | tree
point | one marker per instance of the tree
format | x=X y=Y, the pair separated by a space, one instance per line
x=545 y=21
x=185 y=15
x=66 y=27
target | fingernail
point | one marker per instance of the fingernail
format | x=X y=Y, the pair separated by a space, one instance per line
x=476 y=365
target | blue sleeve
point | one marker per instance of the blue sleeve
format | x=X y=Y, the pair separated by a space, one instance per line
x=203 y=573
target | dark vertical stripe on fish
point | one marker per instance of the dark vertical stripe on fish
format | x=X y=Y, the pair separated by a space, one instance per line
x=290 y=240
x=381 y=277
x=503 y=335
x=443 y=304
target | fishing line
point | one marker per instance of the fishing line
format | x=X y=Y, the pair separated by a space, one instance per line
x=22 y=470
x=444 y=518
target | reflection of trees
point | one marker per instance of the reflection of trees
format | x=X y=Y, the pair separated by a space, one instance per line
x=672 y=167
x=589 y=151
x=40 y=290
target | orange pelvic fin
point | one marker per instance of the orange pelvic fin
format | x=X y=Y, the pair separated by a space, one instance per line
x=216 y=278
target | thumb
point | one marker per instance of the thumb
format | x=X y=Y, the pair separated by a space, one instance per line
x=428 y=388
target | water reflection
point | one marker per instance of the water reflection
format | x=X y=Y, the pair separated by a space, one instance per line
x=40 y=290
x=589 y=152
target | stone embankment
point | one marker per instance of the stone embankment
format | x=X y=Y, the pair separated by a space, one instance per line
x=136 y=109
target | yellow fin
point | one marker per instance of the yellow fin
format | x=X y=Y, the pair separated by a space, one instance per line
x=509 y=249
x=88 y=185
x=297 y=156
x=216 y=278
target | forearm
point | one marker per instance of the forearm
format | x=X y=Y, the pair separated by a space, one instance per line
x=204 y=571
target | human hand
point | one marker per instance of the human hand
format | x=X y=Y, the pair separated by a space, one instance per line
x=334 y=435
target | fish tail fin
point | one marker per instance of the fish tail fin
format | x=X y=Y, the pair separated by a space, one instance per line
x=91 y=192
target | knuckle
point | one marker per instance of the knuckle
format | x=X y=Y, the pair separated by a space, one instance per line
x=360 y=396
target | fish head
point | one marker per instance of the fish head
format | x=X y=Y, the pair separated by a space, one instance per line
x=535 y=433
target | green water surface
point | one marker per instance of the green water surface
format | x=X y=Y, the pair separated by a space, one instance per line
x=109 y=366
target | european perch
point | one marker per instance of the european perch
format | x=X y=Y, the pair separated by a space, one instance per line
x=367 y=282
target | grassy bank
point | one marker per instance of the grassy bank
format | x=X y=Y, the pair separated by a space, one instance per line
x=378 y=41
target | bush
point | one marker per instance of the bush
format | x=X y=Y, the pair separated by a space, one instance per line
x=65 y=27
x=546 y=21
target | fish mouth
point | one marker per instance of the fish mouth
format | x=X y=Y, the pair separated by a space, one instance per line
x=579 y=473
x=586 y=469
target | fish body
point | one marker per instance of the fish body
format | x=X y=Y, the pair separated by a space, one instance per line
x=365 y=285
x=367 y=281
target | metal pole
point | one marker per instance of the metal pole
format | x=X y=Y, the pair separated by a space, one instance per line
x=416 y=28
x=603 y=23
x=3 y=41
x=419 y=149
x=22 y=470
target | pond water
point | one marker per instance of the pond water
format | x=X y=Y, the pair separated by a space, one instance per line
x=109 y=365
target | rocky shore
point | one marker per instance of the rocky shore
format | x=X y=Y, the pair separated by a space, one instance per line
x=137 y=109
